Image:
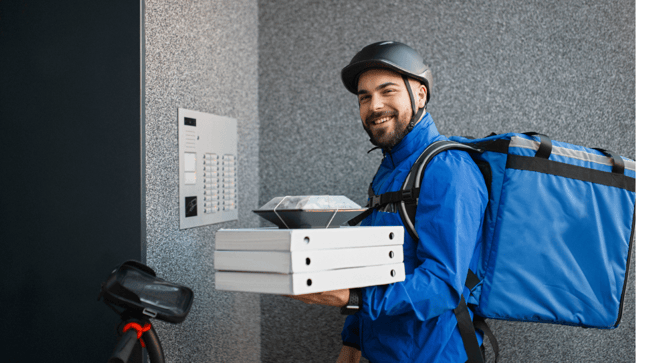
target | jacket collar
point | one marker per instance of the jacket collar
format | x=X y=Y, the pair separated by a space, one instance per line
x=424 y=133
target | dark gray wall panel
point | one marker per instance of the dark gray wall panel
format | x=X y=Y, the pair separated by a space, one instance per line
x=566 y=69
x=71 y=187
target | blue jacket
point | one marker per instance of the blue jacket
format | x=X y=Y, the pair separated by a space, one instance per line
x=413 y=320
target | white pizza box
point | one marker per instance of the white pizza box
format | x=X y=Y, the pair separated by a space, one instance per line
x=307 y=261
x=276 y=239
x=309 y=282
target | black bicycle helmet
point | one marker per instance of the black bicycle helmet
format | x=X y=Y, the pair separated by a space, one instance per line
x=396 y=56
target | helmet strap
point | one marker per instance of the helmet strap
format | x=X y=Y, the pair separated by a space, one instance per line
x=417 y=114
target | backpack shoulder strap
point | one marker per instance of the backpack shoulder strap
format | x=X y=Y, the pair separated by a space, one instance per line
x=407 y=196
x=407 y=210
x=413 y=182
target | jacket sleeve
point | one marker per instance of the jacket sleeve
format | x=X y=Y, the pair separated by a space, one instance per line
x=450 y=210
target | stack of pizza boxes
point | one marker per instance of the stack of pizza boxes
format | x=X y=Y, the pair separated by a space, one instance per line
x=311 y=253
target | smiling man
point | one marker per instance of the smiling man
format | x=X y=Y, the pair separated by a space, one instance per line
x=413 y=320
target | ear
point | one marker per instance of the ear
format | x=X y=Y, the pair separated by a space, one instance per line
x=420 y=100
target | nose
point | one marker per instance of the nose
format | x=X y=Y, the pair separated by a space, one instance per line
x=376 y=103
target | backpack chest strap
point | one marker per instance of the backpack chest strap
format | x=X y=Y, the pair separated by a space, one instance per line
x=377 y=201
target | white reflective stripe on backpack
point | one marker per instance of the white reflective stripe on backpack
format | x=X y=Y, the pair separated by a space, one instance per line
x=517 y=141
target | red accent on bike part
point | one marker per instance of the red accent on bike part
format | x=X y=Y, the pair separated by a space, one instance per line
x=139 y=329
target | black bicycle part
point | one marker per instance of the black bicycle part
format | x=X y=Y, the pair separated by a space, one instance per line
x=136 y=294
x=124 y=348
x=135 y=288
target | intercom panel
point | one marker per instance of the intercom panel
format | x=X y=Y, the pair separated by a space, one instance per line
x=208 y=160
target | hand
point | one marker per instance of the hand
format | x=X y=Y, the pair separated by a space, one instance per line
x=349 y=355
x=330 y=298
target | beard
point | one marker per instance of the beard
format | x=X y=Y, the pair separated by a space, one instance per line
x=388 y=139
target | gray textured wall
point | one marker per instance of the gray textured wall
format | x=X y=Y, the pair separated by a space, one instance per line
x=201 y=55
x=564 y=68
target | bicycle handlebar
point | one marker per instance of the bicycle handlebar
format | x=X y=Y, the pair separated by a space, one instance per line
x=127 y=342
x=124 y=348
x=125 y=290
x=153 y=346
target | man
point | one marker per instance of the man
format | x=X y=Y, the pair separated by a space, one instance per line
x=413 y=320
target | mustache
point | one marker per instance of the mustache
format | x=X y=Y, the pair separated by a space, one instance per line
x=377 y=115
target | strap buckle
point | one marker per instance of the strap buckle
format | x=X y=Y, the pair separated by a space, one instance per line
x=407 y=195
x=375 y=201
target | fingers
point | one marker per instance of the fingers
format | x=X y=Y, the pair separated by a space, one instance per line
x=330 y=298
x=349 y=355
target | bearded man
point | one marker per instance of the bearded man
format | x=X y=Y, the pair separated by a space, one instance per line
x=413 y=320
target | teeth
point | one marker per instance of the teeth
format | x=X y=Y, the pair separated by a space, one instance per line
x=381 y=120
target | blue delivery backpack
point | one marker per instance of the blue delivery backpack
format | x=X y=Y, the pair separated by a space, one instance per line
x=557 y=234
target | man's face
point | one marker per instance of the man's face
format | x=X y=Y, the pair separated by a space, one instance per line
x=384 y=106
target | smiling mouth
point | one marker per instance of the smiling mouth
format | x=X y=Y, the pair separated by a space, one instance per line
x=382 y=120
